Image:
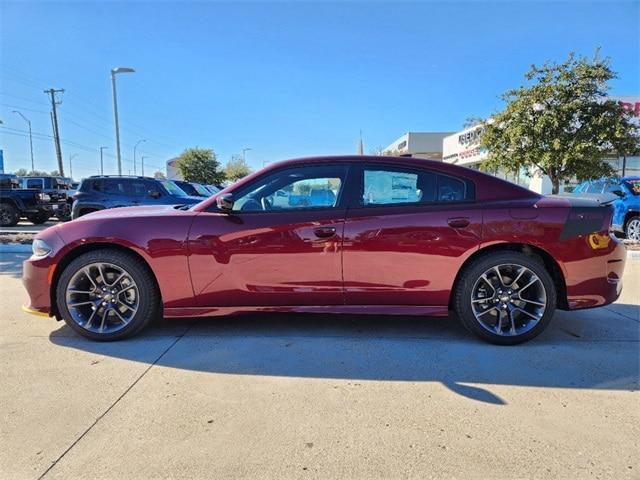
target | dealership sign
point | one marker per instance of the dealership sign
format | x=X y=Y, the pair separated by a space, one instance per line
x=464 y=147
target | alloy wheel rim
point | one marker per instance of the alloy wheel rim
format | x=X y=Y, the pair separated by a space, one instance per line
x=508 y=300
x=633 y=230
x=102 y=297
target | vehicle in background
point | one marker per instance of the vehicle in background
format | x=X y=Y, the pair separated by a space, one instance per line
x=212 y=188
x=626 y=209
x=101 y=192
x=57 y=188
x=398 y=236
x=194 y=189
x=16 y=202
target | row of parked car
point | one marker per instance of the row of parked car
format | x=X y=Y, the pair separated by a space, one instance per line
x=37 y=199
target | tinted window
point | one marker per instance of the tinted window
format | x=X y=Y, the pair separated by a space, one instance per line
x=388 y=186
x=34 y=183
x=114 y=186
x=594 y=187
x=294 y=188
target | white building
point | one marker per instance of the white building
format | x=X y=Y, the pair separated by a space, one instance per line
x=426 y=145
x=172 y=171
x=463 y=148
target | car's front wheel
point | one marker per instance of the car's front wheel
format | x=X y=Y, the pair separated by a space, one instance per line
x=9 y=215
x=505 y=298
x=107 y=295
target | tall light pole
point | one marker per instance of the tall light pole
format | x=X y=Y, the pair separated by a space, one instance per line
x=71 y=157
x=101 y=162
x=134 y=155
x=30 y=136
x=142 y=163
x=244 y=154
x=114 y=72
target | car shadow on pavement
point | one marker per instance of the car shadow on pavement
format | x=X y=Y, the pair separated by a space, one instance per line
x=577 y=351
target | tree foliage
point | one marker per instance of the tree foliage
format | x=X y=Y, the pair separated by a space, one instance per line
x=200 y=165
x=236 y=168
x=23 y=172
x=159 y=175
x=561 y=123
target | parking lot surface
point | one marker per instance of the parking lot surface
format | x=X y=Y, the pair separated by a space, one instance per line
x=300 y=396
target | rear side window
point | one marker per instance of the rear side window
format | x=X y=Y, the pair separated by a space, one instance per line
x=34 y=183
x=595 y=187
x=391 y=185
x=115 y=186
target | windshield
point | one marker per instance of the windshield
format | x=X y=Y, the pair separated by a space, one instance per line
x=201 y=189
x=633 y=184
x=173 y=189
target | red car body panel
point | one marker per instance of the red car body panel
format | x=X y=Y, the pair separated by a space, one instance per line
x=383 y=259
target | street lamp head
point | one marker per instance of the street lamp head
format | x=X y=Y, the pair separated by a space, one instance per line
x=122 y=70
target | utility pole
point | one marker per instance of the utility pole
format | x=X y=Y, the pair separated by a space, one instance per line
x=54 y=121
x=71 y=157
x=135 y=172
x=142 y=163
x=101 y=162
x=114 y=72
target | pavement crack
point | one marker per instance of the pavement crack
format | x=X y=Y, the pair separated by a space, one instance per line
x=621 y=314
x=127 y=390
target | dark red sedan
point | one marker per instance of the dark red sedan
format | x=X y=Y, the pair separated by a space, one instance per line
x=361 y=234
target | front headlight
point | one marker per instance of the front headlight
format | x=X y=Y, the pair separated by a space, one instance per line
x=40 y=248
x=43 y=197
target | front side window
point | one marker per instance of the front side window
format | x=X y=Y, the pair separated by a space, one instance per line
x=595 y=187
x=294 y=189
x=388 y=186
x=173 y=189
x=114 y=186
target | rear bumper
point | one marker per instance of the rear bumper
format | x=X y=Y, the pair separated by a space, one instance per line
x=596 y=281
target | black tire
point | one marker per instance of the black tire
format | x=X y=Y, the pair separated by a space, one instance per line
x=38 y=218
x=9 y=215
x=472 y=272
x=632 y=228
x=149 y=298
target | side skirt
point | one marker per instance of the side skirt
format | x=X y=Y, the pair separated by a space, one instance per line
x=421 y=310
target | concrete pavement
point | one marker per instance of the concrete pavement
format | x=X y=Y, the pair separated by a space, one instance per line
x=305 y=396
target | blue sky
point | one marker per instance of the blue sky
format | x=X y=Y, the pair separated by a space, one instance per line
x=286 y=79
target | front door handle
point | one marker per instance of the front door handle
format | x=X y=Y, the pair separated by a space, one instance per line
x=324 y=232
x=458 y=222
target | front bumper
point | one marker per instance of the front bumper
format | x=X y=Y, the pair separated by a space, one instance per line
x=37 y=275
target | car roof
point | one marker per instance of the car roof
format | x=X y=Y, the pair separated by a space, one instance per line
x=488 y=187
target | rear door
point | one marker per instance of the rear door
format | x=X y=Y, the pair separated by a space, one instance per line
x=407 y=235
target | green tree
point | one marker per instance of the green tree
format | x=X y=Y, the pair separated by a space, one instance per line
x=159 y=175
x=236 y=168
x=200 y=165
x=560 y=123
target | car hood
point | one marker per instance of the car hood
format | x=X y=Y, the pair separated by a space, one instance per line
x=129 y=212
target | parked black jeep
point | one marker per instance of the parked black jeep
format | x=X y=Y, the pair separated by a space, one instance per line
x=16 y=202
x=57 y=188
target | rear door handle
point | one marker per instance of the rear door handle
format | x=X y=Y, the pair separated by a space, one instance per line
x=324 y=232
x=458 y=222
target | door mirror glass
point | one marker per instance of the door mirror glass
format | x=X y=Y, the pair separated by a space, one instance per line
x=618 y=192
x=225 y=202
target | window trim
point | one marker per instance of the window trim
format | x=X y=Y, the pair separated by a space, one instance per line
x=358 y=190
x=341 y=200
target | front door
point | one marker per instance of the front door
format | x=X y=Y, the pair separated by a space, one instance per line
x=407 y=236
x=281 y=244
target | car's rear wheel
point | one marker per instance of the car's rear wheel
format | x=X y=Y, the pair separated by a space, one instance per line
x=107 y=295
x=505 y=298
x=9 y=215
x=632 y=229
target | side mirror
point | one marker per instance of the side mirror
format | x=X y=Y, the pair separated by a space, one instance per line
x=225 y=202
x=154 y=194
x=619 y=193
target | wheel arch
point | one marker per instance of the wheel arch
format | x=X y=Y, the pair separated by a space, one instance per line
x=75 y=252
x=550 y=264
